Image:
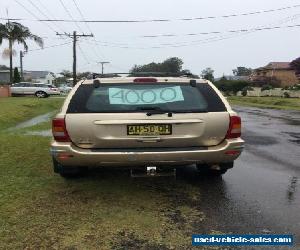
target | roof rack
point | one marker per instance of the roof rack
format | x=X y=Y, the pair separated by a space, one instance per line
x=145 y=74
x=163 y=74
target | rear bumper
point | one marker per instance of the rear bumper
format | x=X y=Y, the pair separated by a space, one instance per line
x=69 y=155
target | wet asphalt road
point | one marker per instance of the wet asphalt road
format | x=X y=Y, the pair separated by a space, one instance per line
x=261 y=194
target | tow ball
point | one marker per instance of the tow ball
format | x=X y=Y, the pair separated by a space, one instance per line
x=152 y=171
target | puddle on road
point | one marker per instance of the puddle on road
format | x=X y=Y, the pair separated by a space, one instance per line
x=32 y=122
x=292 y=188
x=295 y=137
x=287 y=116
x=254 y=139
x=44 y=133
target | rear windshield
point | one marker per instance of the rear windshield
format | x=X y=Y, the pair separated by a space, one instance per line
x=141 y=97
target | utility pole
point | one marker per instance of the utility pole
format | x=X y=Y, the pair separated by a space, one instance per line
x=74 y=58
x=21 y=64
x=74 y=36
x=102 y=66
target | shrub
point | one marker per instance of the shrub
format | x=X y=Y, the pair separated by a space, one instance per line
x=295 y=87
x=286 y=95
x=245 y=90
x=231 y=85
x=266 y=87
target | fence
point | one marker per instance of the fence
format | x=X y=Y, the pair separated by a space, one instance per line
x=276 y=92
x=5 y=91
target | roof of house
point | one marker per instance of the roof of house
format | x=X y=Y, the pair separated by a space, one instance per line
x=4 y=67
x=276 y=65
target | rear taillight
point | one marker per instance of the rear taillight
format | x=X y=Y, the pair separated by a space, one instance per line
x=234 y=130
x=59 y=130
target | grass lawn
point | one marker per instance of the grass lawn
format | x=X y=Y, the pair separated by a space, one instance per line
x=104 y=210
x=266 y=102
x=17 y=109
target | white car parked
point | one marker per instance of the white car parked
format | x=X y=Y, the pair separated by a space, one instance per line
x=40 y=90
x=64 y=89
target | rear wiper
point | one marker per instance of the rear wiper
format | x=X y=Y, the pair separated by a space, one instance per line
x=149 y=108
x=155 y=111
x=170 y=114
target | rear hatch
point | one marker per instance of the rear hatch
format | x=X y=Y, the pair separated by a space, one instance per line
x=146 y=115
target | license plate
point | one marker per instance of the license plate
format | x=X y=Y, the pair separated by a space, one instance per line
x=149 y=129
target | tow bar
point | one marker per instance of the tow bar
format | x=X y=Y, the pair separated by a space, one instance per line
x=152 y=171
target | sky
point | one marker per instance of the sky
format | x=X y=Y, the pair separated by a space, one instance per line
x=123 y=44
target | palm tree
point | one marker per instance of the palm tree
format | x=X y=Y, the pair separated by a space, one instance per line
x=16 y=32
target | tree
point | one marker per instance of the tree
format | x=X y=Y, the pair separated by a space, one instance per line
x=208 y=74
x=16 y=32
x=83 y=75
x=171 y=65
x=295 y=65
x=17 y=77
x=242 y=71
x=231 y=86
x=66 y=73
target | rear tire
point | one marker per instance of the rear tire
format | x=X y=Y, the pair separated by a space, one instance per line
x=41 y=94
x=205 y=169
x=68 y=172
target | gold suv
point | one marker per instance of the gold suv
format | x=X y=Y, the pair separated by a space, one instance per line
x=135 y=122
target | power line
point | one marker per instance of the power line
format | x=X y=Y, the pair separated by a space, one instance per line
x=31 y=13
x=77 y=25
x=52 y=46
x=153 y=20
x=217 y=32
x=82 y=53
x=74 y=37
x=70 y=15
x=42 y=13
x=88 y=27
x=50 y=14
x=212 y=39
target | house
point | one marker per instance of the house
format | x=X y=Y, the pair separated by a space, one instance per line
x=279 y=74
x=40 y=76
x=4 y=76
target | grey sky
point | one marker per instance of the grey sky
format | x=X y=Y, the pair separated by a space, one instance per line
x=251 y=50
